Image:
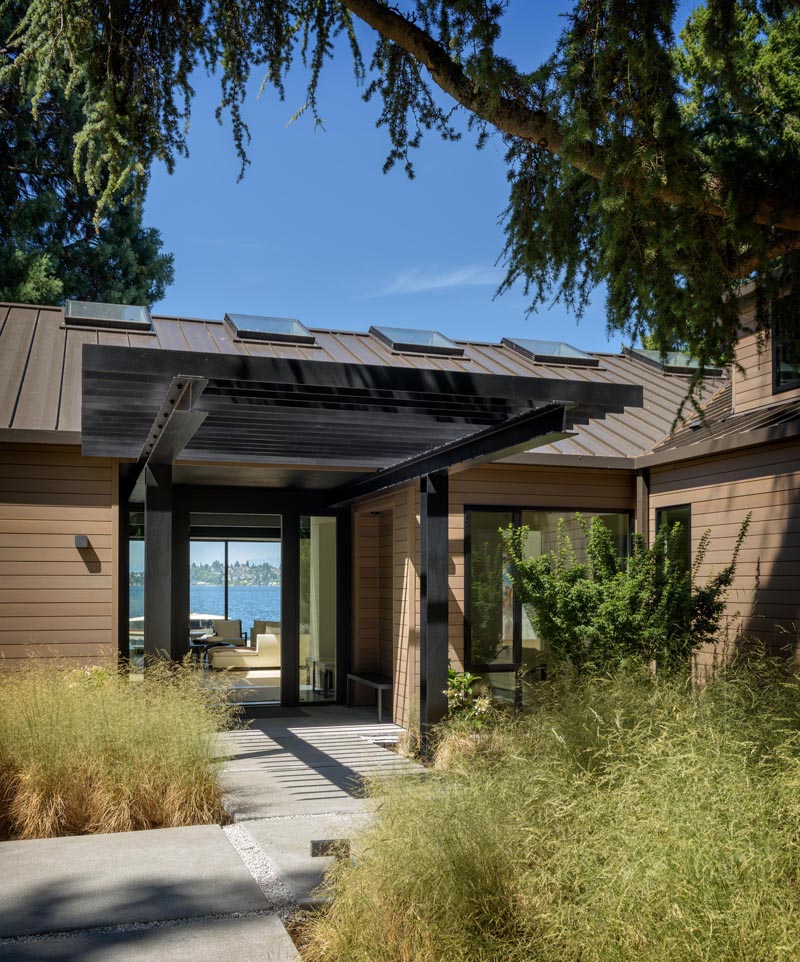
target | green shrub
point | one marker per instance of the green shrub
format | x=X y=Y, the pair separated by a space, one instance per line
x=468 y=699
x=91 y=750
x=623 y=820
x=608 y=611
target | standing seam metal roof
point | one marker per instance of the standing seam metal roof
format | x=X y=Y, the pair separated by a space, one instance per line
x=40 y=372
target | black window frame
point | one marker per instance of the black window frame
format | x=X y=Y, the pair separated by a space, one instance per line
x=778 y=386
x=678 y=507
x=516 y=512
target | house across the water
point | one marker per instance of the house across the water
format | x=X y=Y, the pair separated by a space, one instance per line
x=371 y=471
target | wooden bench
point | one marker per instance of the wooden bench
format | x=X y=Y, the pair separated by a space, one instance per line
x=372 y=679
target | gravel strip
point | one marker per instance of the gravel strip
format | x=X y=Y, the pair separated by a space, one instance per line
x=279 y=898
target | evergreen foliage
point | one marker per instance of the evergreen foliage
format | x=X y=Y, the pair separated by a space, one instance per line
x=660 y=164
x=613 y=611
x=50 y=246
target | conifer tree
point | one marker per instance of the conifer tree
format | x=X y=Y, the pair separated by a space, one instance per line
x=655 y=157
x=50 y=246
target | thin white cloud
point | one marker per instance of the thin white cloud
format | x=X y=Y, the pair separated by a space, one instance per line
x=423 y=280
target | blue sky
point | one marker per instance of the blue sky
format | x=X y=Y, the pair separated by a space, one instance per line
x=317 y=231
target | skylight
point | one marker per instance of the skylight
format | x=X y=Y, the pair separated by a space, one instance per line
x=252 y=327
x=117 y=317
x=552 y=352
x=673 y=362
x=409 y=339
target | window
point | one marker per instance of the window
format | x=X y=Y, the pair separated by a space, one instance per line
x=500 y=640
x=317 y=609
x=115 y=317
x=786 y=344
x=252 y=327
x=553 y=352
x=679 y=514
x=409 y=340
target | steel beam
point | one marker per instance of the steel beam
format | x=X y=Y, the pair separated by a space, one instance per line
x=542 y=425
x=173 y=427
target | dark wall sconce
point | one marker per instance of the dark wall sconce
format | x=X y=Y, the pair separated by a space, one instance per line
x=81 y=541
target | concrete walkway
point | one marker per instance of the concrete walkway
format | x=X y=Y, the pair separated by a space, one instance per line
x=291 y=780
x=204 y=893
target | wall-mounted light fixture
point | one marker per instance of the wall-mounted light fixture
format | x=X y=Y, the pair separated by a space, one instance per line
x=81 y=540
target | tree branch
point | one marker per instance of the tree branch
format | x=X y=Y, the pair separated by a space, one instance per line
x=511 y=117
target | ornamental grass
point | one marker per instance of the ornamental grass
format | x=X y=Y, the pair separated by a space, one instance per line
x=85 y=751
x=629 y=819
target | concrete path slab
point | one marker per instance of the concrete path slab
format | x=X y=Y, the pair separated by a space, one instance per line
x=50 y=885
x=288 y=843
x=256 y=939
x=312 y=764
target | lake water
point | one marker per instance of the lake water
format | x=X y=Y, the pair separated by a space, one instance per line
x=248 y=602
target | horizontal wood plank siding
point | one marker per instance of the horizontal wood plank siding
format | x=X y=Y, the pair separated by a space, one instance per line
x=56 y=600
x=764 y=601
x=752 y=386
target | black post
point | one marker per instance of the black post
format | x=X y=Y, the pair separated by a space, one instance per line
x=123 y=584
x=179 y=638
x=158 y=568
x=290 y=608
x=344 y=600
x=434 y=560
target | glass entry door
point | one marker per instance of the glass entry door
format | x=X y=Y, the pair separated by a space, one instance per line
x=235 y=616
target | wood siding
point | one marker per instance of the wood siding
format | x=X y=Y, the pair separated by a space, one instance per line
x=57 y=600
x=497 y=485
x=764 y=601
x=386 y=596
x=752 y=387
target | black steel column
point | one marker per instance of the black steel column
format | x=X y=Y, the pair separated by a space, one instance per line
x=158 y=568
x=344 y=600
x=123 y=582
x=179 y=638
x=290 y=608
x=434 y=560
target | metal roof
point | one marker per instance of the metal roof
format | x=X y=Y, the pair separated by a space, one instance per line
x=720 y=428
x=40 y=374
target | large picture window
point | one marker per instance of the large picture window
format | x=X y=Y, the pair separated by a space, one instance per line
x=500 y=640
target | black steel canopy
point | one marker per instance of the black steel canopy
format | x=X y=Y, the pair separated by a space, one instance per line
x=282 y=411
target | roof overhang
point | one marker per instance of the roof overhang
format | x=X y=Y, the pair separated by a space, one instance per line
x=267 y=411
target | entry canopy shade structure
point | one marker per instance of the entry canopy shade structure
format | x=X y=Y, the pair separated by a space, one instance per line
x=280 y=411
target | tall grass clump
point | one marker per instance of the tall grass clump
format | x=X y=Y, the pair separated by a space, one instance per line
x=629 y=819
x=93 y=750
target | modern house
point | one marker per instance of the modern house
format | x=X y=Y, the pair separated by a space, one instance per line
x=382 y=464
